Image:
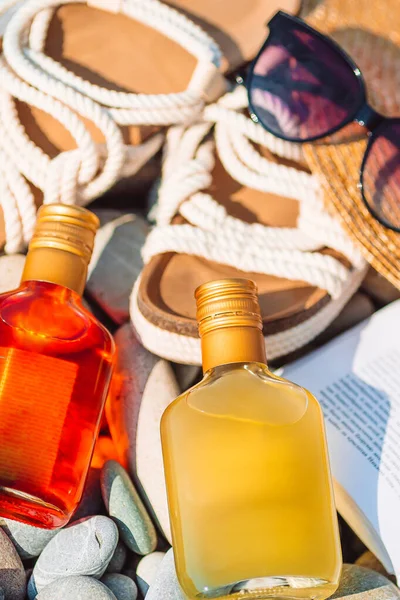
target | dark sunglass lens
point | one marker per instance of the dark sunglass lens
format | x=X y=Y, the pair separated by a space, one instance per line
x=301 y=87
x=381 y=175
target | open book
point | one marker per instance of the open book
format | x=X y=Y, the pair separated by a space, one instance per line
x=356 y=378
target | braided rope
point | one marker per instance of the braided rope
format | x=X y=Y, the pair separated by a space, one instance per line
x=185 y=176
x=204 y=212
x=47 y=75
x=225 y=111
x=30 y=76
x=12 y=223
x=248 y=254
x=24 y=202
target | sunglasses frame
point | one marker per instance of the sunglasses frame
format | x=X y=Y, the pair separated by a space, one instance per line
x=363 y=114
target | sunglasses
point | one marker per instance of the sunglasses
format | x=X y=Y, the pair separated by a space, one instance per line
x=302 y=87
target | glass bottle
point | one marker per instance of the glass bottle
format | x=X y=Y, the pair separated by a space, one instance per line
x=246 y=464
x=55 y=367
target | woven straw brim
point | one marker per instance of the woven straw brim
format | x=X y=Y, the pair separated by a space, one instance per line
x=370 y=32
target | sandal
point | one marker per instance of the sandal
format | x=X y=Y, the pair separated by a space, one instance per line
x=245 y=214
x=76 y=116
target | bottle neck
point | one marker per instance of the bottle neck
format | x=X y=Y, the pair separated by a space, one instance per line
x=56 y=266
x=232 y=345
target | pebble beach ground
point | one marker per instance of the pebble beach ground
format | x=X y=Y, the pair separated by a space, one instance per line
x=117 y=547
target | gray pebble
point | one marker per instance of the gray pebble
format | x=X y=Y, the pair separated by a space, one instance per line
x=127 y=510
x=365 y=584
x=118 y=560
x=12 y=573
x=147 y=570
x=116 y=262
x=84 y=548
x=123 y=587
x=166 y=585
x=76 y=588
x=2 y=596
x=29 y=541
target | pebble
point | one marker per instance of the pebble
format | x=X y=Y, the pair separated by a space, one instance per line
x=143 y=386
x=369 y=560
x=118 y=560
x=365 y=583
x=28 y=540
x=123 y=587
x=76 y=587
x=166 y=585
x=91 y=502
x=147 y=570
x=84 y=548
x=2 y=596
x=12 y=572
x=125 y=507
x=116 y=261
x=11 y=268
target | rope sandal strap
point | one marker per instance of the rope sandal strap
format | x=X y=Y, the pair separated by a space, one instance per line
x=76 y=176
x=316 y=228
x=247 y=254
x=24 y=41
x=207 y=214
x=81 y=166
x=217 y=236
x=16 y=199
x=187 y=166
x=228 y=111
x=186 y=154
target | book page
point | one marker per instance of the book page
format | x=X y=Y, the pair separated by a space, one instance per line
x=356 y=378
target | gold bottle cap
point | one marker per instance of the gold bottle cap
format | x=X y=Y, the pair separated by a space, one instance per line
x=65 y=227
x=227 y=303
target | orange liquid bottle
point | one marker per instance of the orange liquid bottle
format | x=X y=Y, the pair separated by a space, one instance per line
x=55 y=367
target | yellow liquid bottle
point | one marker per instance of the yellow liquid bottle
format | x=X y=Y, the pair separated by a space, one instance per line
x=248 y=480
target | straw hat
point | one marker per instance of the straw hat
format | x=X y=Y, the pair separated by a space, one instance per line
x=370 y=32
